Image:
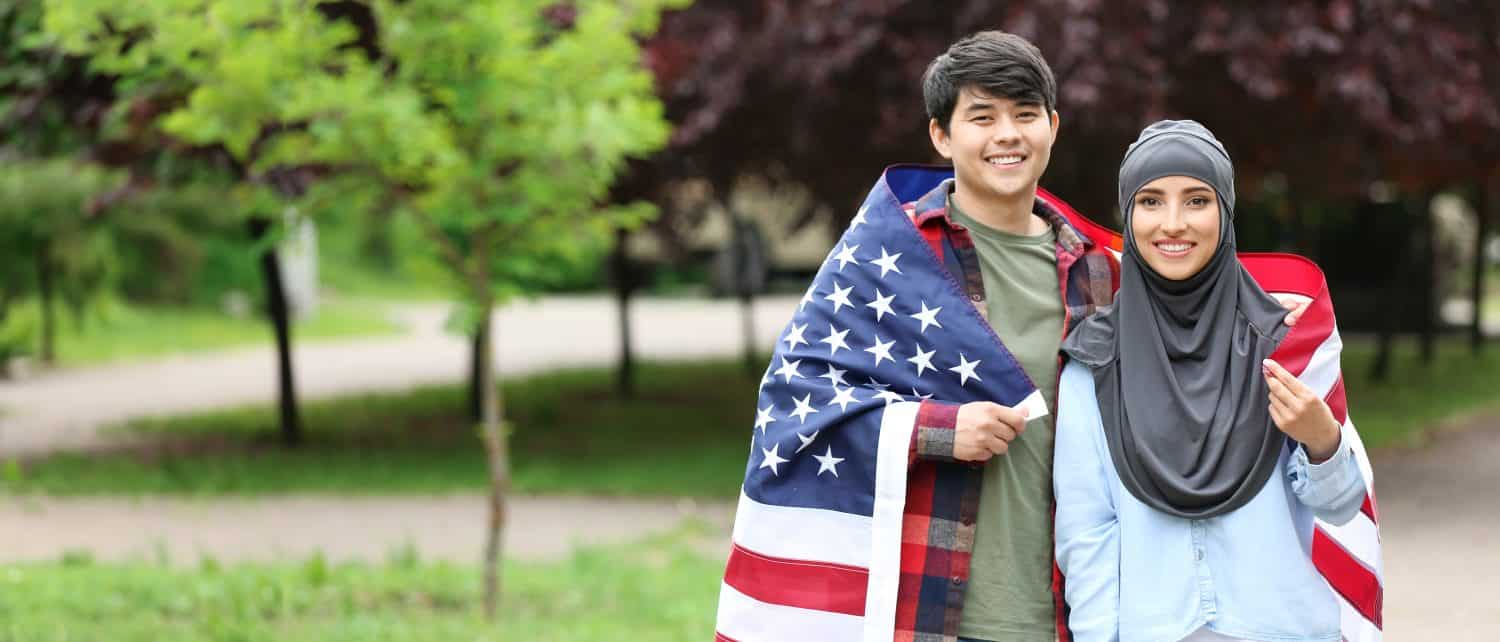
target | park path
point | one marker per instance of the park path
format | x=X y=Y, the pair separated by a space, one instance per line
x=1440 y=525
x=64 y=409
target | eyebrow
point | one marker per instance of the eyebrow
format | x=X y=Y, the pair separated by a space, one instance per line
x=1191 y=190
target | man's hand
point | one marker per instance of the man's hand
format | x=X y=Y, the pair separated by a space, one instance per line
x=1301 y=414
x=1296 y=308
x=985 y=429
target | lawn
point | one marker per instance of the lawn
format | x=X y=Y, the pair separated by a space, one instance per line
x=126 y=331
x=685 y=434
x=658 y=590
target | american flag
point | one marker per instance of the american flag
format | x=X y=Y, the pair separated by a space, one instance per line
x=817 y=535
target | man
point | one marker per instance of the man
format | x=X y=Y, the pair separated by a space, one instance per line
x=899 y=484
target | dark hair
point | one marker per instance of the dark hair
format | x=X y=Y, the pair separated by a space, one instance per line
x=1001 y=64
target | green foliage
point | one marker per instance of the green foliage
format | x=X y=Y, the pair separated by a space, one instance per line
x=660 y=590
x=499 y=125
x=575 y=436
x=48 y=232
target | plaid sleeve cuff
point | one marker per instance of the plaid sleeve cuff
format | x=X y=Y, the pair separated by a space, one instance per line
x=932 y=437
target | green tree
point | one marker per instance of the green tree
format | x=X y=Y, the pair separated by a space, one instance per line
x=51 y=244
x=497 y=126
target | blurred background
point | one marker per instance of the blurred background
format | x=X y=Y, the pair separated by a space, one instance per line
x=311 y=313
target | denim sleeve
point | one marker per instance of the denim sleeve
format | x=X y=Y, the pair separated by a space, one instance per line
x=1088 y=530
x=1332 y=490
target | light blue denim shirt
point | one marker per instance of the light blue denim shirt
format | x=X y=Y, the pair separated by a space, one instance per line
x=1135 y=573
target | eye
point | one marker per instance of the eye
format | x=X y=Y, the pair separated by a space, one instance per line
x=1026 y=115
x=1147 y=201
x=981 y=119
x=1198 y=201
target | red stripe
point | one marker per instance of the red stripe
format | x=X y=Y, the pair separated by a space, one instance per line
x=1348 y=576
x=1370 y=508
x=819 y=586
x=1336 y=400
x=720 y=637
x=1094 y=231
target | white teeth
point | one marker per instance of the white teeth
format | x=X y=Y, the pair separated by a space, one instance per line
x=1005 y=160
x=1173 y=247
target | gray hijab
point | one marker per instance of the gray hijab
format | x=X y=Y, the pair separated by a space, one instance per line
x=1177 y=364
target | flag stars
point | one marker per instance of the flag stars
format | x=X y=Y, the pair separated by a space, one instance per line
x=763 y=418
x=839 y=297
x=835 y=340
x=804 y=408
x=806 y=439
x=794 y=336
x=881 y=350
x=789 y=368
x=881 y=304
x=928 y=316
x=845 y=256
x=965 y=369
x=923 y=360
x=834 y=376
x=887 y=262
x=859 y=218
x=843 y=397
x=771 y=459
x=827 y=463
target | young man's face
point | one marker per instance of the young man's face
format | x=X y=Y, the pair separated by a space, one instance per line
x=999 y=147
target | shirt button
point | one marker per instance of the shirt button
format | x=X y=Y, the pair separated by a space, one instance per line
x=958 y=581
x=976 y=298
x=1198 y=555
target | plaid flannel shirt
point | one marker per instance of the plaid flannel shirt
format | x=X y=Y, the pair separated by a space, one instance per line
x=942 y=494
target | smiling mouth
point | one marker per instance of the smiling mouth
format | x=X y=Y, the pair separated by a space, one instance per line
x=1005 y=160
x=1174 y=249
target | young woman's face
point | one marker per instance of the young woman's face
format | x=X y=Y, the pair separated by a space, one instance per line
x=1176 y=225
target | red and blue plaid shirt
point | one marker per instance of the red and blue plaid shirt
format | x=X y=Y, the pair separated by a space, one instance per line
x=942 y=494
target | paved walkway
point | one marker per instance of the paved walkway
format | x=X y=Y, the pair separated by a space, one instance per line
x=1439 y=522
x=449 y=527
x=64 y=410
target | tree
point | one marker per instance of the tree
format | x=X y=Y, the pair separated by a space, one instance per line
x=1323 y=98
x=497 y=126
x=51 y=240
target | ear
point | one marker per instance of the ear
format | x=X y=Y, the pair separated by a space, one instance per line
x=1056 y=121
x=939 y=138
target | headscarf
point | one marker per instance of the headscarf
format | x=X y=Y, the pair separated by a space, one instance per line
x=1177 y=364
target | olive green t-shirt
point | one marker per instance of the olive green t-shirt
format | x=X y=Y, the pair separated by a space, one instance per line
x=1009 y=598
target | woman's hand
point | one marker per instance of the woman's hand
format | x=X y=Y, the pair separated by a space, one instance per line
x=1301 y=414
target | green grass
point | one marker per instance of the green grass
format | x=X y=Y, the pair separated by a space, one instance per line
x=660 y=590
x=685 y=434
x=126 y=332
x=1418 y=398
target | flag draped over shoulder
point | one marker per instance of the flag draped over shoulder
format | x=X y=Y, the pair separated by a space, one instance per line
x=817 y=535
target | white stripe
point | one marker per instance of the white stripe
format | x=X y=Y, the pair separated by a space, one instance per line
x=1353 y=625
x=1322 y=370
x=1363 y=457
x=896 y=426
x=802 y=533
x=750 y=620
x=1360 y=538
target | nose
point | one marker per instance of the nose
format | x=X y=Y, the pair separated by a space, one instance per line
x=1005 y=130
x=1175 y=222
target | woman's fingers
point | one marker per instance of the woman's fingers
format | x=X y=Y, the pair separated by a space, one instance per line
x=1294 y=386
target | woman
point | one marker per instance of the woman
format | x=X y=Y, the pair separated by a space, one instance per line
x=1189 y=466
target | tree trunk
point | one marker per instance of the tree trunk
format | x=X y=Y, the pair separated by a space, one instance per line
x=747 y=321
x=624 y=282
x=1428 y=285
x=478 y=347
x=270 y=269
x=47 y=296
x=497 y=451
x=1476 y=296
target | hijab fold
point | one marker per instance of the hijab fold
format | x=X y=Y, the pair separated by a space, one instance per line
x=1177 y=364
